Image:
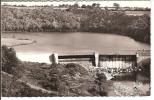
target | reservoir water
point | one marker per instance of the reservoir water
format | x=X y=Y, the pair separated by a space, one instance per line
x=47 y=43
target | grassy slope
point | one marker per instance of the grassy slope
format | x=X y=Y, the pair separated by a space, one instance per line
x=11 y=87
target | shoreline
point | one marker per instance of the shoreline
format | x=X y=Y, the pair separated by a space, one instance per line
x=12 y=42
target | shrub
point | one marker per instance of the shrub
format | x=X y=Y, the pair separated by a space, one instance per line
x=9 y=59
x=10 y=63
x=68 y=80
x=74 y=80
x=145 y=67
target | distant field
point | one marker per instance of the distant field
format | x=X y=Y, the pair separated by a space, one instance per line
x=134 y=13
x=137 y=13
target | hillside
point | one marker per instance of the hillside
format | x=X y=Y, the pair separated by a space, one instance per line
x=88 y=19
x=29 y=79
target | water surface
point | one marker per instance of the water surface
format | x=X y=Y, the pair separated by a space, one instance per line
x=76 y=42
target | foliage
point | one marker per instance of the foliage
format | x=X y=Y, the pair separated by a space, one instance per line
x=87 y=18
x=145 y=67
x=73 y=80
x=140 y=29
x=26 y=91
x=18 y=89
x=10 y=62
x=68 y=80
x=46 y=20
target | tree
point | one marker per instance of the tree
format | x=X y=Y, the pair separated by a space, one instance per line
x=94 y=5
x=97 y=5
x=76 y=5
x=83 y=6
x=116 y=5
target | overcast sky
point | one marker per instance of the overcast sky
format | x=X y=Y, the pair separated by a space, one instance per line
x=102 y=3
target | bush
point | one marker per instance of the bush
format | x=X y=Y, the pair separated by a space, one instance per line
x=10 y=63
x=145 y=67
x=9 y=59
x=68 y=80
x=140 y=29
x=73 y=80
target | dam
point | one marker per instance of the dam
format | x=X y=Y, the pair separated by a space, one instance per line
x=105 y=61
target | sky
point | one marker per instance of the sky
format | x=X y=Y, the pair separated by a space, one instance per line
x=102 y=3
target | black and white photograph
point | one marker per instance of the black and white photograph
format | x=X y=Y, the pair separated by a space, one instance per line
x=75 y=48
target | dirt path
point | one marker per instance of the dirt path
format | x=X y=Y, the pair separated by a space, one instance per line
x=31 y=86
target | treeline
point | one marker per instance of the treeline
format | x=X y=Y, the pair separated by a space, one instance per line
x=38 y=20
x=89 y=19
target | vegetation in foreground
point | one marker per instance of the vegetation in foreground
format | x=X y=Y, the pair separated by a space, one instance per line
x=145 y=71
x=59 y=80
x=28 y=79
x=88 y=19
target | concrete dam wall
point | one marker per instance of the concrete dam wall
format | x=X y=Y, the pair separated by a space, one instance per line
x=122 y=61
